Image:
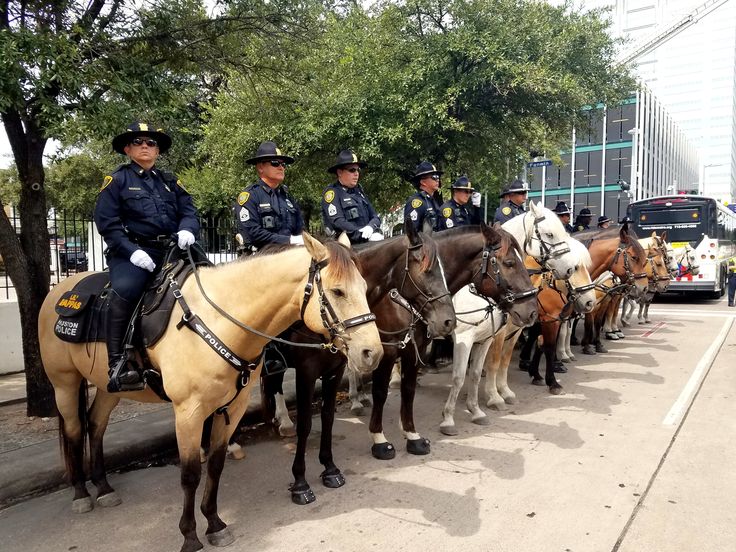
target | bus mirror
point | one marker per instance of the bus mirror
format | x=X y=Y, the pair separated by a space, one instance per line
x=625 y=187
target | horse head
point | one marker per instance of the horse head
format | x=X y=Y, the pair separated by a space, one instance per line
x=658 y=269
x=580 y=287
x=633 y=262
x=424 y=284
x=546 y=241
x=339 y=308
x=504 y=278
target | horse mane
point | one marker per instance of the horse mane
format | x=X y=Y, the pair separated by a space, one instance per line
x=581 y=251
x=340 y=256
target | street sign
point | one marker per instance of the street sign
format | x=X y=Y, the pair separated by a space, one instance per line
x=545 y=163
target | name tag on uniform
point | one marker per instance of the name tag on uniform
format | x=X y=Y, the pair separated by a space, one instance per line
x=134 y=189
x=290 y=204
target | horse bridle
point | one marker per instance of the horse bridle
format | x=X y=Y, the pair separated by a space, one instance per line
x=631 y=277
x=407 y=275
x=507 y=297
x=549 y=251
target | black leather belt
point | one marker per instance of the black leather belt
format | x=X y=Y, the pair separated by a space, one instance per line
x=162 y=241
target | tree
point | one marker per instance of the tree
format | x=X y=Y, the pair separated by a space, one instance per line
x=73 y=70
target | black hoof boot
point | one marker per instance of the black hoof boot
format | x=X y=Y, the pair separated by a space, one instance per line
x=332 y=480
x=599 y=348
x=524 y=364
x=588 y=350
x=559 y=367
x=383 y=451
x=418 y=446
x=302 y=497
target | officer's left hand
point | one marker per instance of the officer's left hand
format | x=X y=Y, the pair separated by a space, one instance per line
x=186 y=238
x=366 y=232
x=376 y=236
x=475 y=198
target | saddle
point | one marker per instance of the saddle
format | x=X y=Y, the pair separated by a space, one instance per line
x=83 y=310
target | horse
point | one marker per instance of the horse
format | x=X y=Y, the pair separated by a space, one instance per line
x=487 y=257
x=405 y=270
x=319 y=284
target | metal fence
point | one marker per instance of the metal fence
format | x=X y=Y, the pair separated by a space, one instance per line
x=76 y=245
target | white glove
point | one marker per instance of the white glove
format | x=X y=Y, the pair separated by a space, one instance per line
x=296 y=240
x=475 y=198
x=376 y=236
x=142 y=260
x=366 y=232
x=186 y=238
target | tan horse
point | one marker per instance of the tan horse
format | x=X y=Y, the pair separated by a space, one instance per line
x=264 y=292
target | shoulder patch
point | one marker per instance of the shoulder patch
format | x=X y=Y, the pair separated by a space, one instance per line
x=243 y=197
x=449 y=223
x=106 y=182
x=447 y=212
x=506 y=210
x=178 y=183
x=329 y=196
x=332 y=210
x=416 y=203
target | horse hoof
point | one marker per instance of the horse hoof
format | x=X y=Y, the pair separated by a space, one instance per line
x=449 y=430
x=611 y=336
x=538 y=381
x=572 y=358
x=82 y=505
x=191 y=546
x=417 y=446
x=356 y=410
x=524 y=365
x=383 y=451
x=600 y=349
x=625 y=322
x=365 y=401
x=588 y=350
x=109 y=500
x=302 y=498
x=565 y=359
x=287 y=431
x=482 y=421
x=498 y=406
x=223 y=537
x=333 y=480
x=556 y=390
x=560 y=368
x=511 y=399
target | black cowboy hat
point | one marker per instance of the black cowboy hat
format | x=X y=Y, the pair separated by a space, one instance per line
x=462 y=183
x=136 y=129
x=517 y=186
x=585 y=212
x=602 y=219
x=561 y=208
x=423 y=169
x=346 y=157
x=268 y=150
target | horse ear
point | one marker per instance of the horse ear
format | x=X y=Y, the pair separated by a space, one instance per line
x=343 y=239
x=411 y=232
x=624 y=232
x=654 y=234
x=315 y=248
x=664 y=236
x=491 y=233
x=533 y=207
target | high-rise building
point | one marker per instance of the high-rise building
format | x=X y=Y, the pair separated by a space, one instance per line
x=692 y=72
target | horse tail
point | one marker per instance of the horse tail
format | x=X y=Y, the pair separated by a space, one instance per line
x=66 y=445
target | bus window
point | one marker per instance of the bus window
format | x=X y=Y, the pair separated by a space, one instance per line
x=682 y=223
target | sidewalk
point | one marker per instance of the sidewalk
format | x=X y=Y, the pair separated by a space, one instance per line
x=37 y=468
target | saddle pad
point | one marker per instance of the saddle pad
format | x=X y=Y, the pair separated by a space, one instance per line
x=80 y=306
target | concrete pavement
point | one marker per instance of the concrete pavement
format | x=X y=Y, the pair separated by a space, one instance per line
x=11 y=359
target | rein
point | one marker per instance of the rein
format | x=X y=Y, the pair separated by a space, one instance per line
x=548 y=251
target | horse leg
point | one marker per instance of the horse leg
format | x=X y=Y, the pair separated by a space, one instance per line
x=331 y=476
x=395 y=382
x=477 y=358
x=525 y=354
x=273 y=385
x=415 y=443
x=99 y=415
x=356 y=407
x=646 y=312
x=568 y=341
x=561 y=352
x=301 y=492
x=460 y=355
x=549 y=338
x=587 y=343
x=71 y=400
x=534 y=366
x=492 y=366
x=381 y=449
x=573 y=337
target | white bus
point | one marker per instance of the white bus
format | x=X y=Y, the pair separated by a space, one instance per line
x=702 y=222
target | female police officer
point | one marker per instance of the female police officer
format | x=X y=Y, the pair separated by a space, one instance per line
x=138 y=209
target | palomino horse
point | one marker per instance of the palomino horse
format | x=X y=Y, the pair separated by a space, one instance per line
x=485 y=256
x=200 y=381
x=406 y=270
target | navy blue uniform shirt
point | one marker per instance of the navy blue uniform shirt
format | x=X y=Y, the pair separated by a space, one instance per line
x=507 y=210
x=454 y=214
x=348 y=210
x=265 y=215
x=422 y=206
x=135 y=204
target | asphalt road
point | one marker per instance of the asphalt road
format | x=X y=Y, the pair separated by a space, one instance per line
x=637 y=455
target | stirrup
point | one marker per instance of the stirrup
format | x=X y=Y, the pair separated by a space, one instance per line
x=124 y=379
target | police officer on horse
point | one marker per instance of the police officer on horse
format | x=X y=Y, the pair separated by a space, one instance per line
x=604 y=221
x=456 y=211
x=139 y=209
x=513 y=197
x=563 y=212
x=265 y=212
x=345 y=207
x=582 y=221
x=425 y=204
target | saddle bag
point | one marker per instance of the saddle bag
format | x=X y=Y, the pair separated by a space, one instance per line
x=78 y=307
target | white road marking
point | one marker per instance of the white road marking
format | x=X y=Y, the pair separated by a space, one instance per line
x=693 y=384
x=692 y=313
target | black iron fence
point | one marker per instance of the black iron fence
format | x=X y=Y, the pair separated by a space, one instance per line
x=76 y=246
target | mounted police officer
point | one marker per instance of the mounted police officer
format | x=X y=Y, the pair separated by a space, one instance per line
x=604 y=221
x=563 y=212
x=345 y=207
x=138 y=209
x=456 y=211
x=513 y=197
x=582 y=221
x=425 y=204
x=265 y=212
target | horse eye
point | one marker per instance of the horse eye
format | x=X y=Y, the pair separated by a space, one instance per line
x=509 y=262
x=550 y=235
x=338 y=292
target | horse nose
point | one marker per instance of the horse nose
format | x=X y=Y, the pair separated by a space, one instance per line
x=449 y=324
x=369 y=357
x=532 y=317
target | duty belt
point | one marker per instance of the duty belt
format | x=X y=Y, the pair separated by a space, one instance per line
x=162 y=241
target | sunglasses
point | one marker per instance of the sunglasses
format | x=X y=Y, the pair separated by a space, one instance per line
x=150 y=142
x=435 y=177
x=278 y=163
x=353 y=170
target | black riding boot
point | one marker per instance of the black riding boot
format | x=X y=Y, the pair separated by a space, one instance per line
x=122 y=377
